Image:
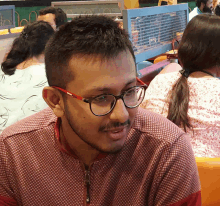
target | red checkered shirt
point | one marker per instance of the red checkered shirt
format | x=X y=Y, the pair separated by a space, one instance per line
x=155 y=167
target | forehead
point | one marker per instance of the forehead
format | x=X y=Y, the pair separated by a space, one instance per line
x=91 y=72
x=50 y=18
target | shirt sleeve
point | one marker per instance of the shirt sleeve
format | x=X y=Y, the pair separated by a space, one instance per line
x=176 y=181
x=6 y=193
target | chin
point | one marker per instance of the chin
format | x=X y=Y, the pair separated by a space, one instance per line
x=111 y=150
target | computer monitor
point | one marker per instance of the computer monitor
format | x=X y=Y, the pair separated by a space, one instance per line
x=7 y=17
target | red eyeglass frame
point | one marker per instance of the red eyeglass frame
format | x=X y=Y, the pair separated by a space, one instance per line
x=81 y=98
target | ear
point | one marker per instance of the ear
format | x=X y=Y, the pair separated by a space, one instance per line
x=54 y=100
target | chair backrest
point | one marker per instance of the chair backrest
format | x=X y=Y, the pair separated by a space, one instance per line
x=160 y=59
x=209 y=172
x=152 y=29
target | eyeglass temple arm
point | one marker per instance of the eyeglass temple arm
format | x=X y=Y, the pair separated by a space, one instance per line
x=141 y=81
x=69 y=93
x=81 y=98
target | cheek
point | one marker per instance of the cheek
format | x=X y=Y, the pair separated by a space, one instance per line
x=78 y=108
x=80 y=112
x=132 y=113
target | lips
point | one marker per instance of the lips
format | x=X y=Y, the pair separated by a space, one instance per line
x=115 y=130
x=117 y=133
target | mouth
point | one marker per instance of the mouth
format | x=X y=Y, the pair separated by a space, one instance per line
x=117 y=133
x=116 y=130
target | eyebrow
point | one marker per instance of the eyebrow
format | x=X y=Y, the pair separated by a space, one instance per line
x=106 y=89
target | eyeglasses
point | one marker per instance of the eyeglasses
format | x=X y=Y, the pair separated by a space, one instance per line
x=103 y=104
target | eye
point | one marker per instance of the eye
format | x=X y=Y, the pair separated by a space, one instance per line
x=131 y=92
x=101 y=99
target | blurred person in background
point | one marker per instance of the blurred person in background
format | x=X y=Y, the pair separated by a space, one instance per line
x=191 y=98
x=56 y=17
x=202 y=6
x=217 y=10
x=166 y=2
x=22 y=75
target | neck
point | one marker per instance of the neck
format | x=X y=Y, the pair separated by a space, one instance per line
x=31 y=61
x=70 y=140
x=214 y=71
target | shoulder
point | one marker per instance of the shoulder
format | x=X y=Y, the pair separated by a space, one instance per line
x=39 y=66
x=32 y=123
x=205 y=85
x=172 y=67
x=37 y=75
x=162 y=83
x=36 y=69
x=193 y=13
x=157 y=93
x=166 y=75
x=156 y=126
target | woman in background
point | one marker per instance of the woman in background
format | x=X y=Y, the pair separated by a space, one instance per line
x=191 y=98
x=23 y=74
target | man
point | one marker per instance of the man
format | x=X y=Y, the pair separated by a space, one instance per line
x=93 y=145
x=55 y=16
x=202 y=6
x=166 y=2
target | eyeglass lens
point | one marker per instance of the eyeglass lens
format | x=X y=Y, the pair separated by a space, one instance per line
x=103 y=104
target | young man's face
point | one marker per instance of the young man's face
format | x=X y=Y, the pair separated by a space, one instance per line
x=50 y=18
x=92 y=78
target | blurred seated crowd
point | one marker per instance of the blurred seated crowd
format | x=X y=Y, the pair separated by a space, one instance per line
x=179 y=113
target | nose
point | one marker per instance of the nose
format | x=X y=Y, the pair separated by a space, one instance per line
x=120 y=112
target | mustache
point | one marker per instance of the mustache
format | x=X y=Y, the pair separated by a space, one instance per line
x=114 y=125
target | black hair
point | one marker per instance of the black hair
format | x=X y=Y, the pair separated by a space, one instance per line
x=198 y=2
x=30 y=43
x=60 y=15
x=217 y=10
x=92 y=36
x=163 y=3
x=199 y=50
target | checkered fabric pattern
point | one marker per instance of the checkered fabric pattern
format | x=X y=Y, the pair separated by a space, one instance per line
x=155 y=167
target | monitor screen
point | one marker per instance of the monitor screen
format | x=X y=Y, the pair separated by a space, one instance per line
x=7 y=17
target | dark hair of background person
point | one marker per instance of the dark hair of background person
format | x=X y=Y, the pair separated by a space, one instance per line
x=199 y=50
x=92 y=36
x=30 y=43
x=217 y=10
x=163 y=3
x=198 y=2
x=60 y=15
